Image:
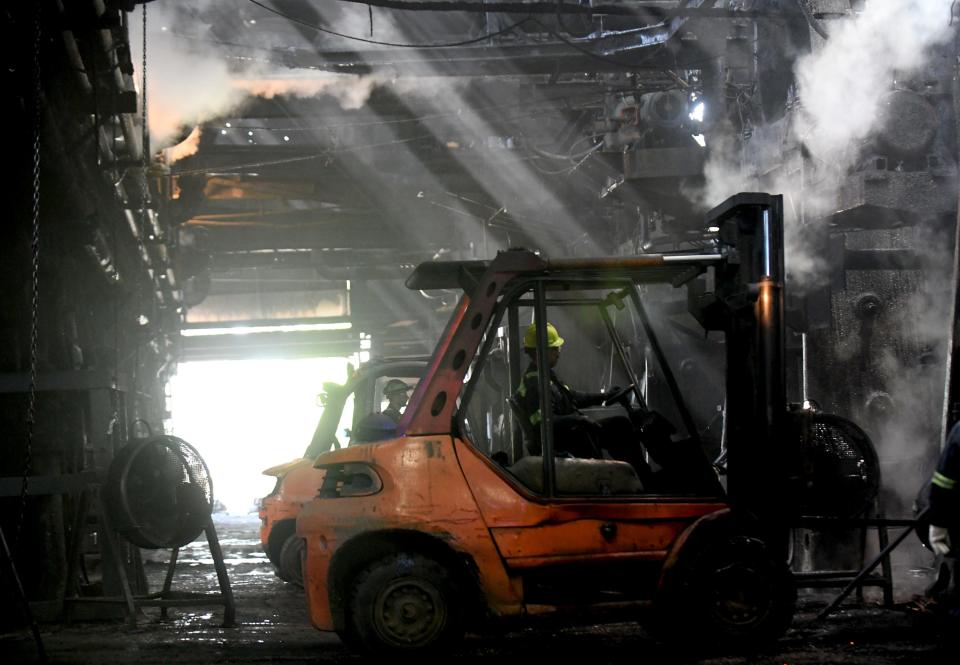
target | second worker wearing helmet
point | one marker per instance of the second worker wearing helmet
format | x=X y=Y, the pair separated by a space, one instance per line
x=396 y=392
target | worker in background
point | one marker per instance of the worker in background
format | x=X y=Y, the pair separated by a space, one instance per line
x=573 y=433
x=944 y=511
x=944 y=530
x=396 y=393
x=381 y=426
x=945 y=497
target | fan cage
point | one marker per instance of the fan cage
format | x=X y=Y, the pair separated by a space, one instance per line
x=839 y=474
x=159 y=492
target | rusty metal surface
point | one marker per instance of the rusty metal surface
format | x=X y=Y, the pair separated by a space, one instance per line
x=300 y=483
x=425 y=491
x=436 y=486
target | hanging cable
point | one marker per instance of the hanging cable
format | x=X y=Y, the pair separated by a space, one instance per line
x=596 y=56
x=650 y=49
x=312 y=26
x=510 y=28
x=35 y=278
x=517 y=7
x=580 y=159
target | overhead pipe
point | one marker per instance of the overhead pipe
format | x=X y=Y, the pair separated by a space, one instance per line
x=131 y=137
x=162 y=278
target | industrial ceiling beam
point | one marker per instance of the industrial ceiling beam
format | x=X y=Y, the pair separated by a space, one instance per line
x=355 y=236
x=506 y=60
x=653 y=8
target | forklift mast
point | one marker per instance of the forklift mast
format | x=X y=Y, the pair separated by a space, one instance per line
x=747 y=305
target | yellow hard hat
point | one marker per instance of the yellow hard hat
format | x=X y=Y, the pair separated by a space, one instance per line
x=554 y=340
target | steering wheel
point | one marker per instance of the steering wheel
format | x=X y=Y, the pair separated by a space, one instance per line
x=617 y=396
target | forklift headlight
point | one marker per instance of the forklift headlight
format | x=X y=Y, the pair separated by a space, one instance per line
x=349 y=479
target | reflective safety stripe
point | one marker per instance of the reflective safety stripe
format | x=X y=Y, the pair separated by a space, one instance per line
x=522 y=390
x=942 y=481
x=535 y=417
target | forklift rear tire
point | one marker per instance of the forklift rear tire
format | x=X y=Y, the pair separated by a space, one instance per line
x=731 y=591
x=404 y=602
x=290 y=565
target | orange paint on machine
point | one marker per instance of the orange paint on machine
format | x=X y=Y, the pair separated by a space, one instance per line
x=297 y=483
x=354 y=413
x=505 y=491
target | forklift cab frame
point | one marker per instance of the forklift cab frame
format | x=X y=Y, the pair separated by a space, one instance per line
x=570 y=293
x=411 y=537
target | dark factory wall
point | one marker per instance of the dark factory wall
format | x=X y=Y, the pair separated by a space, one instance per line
x=103 y=334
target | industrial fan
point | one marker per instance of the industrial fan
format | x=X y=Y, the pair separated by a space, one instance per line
x=839 y=474
x=159 y=493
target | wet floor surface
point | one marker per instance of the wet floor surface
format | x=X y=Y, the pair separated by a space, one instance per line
x=272 y=627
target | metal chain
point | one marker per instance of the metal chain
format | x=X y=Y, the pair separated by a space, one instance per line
x=145 y=131
x=146 y=230
x=35 y=267
x=143 y=99
x=144 y=128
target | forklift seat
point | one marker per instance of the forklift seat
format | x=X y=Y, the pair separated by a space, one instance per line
x=589 y=477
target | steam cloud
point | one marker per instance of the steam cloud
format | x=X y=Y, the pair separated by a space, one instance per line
x=841 y=84
x=189 y=146
x=351 y=92
x=190 y=80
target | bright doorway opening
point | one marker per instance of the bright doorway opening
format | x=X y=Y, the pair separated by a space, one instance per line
x=244 y=416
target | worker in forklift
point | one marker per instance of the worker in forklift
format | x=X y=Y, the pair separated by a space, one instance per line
x=383 y=425
x=396 y=393
x=574 y=434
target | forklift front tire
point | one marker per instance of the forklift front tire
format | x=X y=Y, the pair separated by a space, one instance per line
x=404 y=602
x=731 y=590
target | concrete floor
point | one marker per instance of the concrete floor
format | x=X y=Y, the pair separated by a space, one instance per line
x=272 y=627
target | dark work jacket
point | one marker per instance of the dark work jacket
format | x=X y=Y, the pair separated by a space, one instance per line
x=945 y=484
x=393 y=414
x=564 y=401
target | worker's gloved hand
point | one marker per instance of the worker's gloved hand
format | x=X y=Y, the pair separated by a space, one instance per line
x=939 y=540
x=611 y=396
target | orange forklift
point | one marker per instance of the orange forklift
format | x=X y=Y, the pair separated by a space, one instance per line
x=477 y=508
x=351 y=415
